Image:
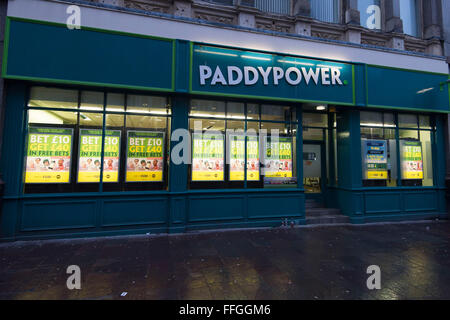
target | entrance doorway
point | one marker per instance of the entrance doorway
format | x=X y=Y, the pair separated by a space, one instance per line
x=313 y=170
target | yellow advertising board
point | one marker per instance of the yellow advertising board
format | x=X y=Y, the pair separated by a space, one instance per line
x=49 y=153
x=145 y=156
x=207 y=157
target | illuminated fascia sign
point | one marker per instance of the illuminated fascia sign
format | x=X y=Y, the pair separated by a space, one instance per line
x=253 y=74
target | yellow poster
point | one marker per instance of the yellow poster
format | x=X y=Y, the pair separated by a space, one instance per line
x=145 y=154
x=90 y=151
x=237 y=160
x=48 y=155
x=411 y=156
x=278 y=157
x=207 y=157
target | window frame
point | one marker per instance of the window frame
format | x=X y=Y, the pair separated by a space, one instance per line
x=244 y=184
x=74 y=187
x=432 y=130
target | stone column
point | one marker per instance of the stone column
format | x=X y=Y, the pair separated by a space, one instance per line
x=394 y=24
x=393 y=21
x=432 y=19
x=352 y=20
x=432 y=26
x=352 y=14
x=246 y=13
x=302 y=13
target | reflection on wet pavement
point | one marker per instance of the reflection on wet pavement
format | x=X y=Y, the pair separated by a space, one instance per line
x=300 y=263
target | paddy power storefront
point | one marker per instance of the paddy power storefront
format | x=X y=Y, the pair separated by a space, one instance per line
x=95 y=122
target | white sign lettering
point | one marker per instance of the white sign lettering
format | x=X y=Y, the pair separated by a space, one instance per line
x=248 y=75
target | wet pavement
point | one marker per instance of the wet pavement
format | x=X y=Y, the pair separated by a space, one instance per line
x=301 y=263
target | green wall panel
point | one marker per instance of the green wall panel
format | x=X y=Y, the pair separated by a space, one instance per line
x=55 y=53
x=276 y=205
x=382 y=202
x=409 y=89
x=211 y=208
x=51 y=215
x=420 y=201
x=135 y=211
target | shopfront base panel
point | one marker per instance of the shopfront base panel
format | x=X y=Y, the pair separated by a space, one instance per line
x=364 y=206
x=45 y=217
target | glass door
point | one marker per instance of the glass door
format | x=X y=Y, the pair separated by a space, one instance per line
x=312 y=168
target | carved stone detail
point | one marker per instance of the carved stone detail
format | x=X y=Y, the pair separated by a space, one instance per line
x=374 y=39
x=373 y=42
x=151 y=6
x=214 y=18
x=274 y=27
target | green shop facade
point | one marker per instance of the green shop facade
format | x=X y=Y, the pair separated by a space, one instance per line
x=94 y=120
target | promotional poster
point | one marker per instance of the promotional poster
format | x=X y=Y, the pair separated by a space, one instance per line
x=411 y=157
x=237 y=159
x=207 y=157
x=278 y=157
x=145 y=155
x=375 y=158
x=48 y=155
x=89 y=163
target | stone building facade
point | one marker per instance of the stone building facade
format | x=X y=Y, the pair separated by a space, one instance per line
x=298 y=18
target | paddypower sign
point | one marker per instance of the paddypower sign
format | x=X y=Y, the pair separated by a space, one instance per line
x=233 y=72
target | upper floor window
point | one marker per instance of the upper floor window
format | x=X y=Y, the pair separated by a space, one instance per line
x=325 y=10
x=224 y=2
x=370 y=13
x=279 y=7
x=408 y=14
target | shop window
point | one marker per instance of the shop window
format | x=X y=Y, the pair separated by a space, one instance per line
x=49 y=150
x=396 y=155
x=415 y=151
x=312 y=134
x=55 y=98
x=315 y=120
x=378 y=149
x=407 y=121
x=222 y=153
x=152 y=105
x=371 y=119
x=427 y=161
x=115 y=102
x=92 y=100
x=424 y=122
x=207 y=109
x=86 y=147
x=276 y=113
x=325 y=10
x=252 y=111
